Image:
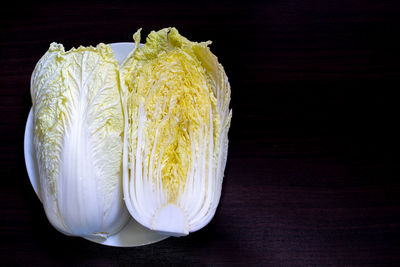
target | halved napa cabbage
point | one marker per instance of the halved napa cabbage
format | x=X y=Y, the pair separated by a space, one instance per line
x=78 y=138
x=177 y=108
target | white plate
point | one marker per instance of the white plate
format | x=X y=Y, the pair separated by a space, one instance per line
x=133 y=234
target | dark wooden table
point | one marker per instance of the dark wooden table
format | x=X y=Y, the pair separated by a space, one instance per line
x=313 y=169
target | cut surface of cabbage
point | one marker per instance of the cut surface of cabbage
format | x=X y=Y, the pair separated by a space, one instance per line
x=176 y=134
x=78 y=139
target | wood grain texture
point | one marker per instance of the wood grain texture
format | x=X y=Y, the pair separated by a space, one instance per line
x=313 y=171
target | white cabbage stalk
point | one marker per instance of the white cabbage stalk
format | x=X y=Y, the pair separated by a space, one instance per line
x=177 y=107
x=78 y=139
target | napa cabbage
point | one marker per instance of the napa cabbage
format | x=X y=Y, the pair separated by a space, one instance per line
x=78 y=139
x=176 y=97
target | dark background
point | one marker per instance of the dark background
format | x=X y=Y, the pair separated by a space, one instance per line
x=313 y=169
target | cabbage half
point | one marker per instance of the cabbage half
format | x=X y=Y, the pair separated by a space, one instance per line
x=177 y=106
x=78 y=139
